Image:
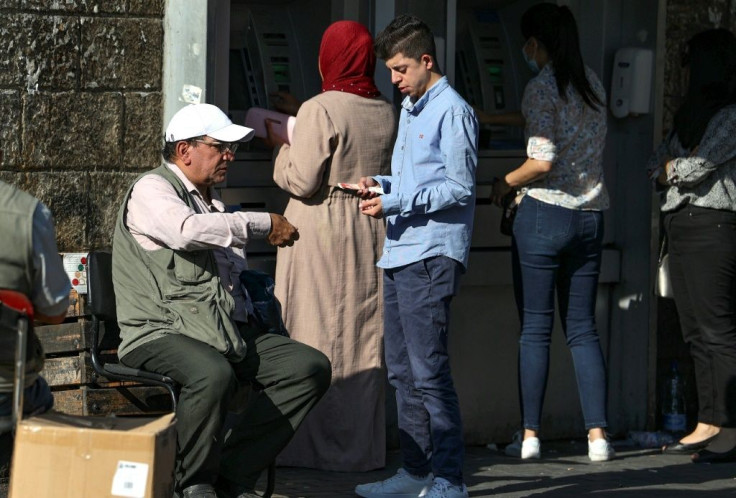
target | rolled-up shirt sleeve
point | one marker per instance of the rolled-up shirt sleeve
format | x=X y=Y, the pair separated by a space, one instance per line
x=541 y=117
x=156 y=217
x=716 y=148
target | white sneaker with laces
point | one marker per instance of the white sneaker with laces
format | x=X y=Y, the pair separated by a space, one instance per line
x=600 y=450
x=524 y=449
x=400 y=485
x=442 y=488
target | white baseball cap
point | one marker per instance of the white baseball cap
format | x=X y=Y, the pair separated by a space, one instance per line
x=196 y=120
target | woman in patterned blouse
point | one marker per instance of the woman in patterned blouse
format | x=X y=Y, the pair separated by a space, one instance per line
x=558 y=229
x=695 y=168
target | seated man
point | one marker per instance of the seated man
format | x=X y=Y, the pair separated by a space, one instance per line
x=30 y=264
x=177 y=256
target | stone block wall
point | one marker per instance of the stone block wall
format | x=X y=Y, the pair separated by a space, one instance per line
x=80 y=106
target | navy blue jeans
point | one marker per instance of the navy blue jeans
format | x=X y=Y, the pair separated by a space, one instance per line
x=416 y=319
x=37 y=399
x=558 y=249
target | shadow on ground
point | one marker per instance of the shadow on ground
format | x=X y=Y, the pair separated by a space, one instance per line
x=564 y=471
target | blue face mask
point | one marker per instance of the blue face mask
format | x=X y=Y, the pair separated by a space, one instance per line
x=533 y=66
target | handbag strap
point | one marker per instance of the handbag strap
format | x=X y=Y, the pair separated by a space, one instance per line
x=663 y=249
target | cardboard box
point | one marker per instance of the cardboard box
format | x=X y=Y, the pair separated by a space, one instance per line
x=66 y=456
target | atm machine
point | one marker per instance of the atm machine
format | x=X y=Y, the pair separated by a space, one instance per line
x=273 y=46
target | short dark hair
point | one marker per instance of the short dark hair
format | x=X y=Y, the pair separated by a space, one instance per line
x=406 y=35
x=169 y=150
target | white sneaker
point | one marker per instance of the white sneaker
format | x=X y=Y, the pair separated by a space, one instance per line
x=442 y=488
x=600 y=450
x=526 y=449
x=401 y=485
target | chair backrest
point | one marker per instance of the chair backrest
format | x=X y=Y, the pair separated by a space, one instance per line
x=16 y=321
x=14 y=306
x=101 y=299
x=17 y=302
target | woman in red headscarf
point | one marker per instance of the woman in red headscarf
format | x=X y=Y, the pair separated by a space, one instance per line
x=327 y=282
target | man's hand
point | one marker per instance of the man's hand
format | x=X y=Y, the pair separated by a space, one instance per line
x=364 y=183
x=372 y=207
x=282 y=232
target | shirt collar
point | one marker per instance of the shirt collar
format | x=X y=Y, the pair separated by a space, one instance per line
x=432 y=92
x=216 y=202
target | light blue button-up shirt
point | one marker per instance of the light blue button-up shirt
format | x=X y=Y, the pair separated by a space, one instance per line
x=429 y=198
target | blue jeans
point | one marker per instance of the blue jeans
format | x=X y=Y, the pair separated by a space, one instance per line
x=416 y=319
x=37 y=399
x=556 y=248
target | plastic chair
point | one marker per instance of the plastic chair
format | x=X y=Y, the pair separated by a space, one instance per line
x=106 y=337
x=105 y=331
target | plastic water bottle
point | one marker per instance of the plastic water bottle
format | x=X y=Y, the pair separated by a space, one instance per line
x=673 y=402
x=654 y=439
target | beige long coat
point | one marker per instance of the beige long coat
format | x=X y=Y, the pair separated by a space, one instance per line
x=328 y=283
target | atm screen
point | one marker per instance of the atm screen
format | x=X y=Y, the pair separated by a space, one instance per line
x=274 y=49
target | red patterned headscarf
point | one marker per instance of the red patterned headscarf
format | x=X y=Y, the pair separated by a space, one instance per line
x=346 y=59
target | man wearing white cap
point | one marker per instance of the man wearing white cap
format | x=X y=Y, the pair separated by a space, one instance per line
x=177 y=256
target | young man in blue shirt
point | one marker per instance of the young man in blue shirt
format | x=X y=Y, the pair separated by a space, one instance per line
x=428 y=202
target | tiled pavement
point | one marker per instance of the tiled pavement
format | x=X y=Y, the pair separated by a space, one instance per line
x=563 y=471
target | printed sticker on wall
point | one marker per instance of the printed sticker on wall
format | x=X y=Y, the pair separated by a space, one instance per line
x=75 y=265
x=129 y=480
x=191 y=94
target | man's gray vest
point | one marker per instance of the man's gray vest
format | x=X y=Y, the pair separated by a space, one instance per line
x=167 y=291
x=16 y=273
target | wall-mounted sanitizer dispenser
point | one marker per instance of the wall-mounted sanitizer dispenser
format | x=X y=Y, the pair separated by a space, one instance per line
x=631 y=81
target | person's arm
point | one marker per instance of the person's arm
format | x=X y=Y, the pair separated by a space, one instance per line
x=51 y=286
x=659 y=158
x=717 y=147
x=459 y=148
x=384 y=181
x=541 y=149
x=299 y=168
x=156 y=212
x=285 y=102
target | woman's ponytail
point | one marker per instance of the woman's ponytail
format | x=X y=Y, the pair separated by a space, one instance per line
x=555 y=27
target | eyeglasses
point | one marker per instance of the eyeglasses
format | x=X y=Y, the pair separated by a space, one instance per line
x=222 y=147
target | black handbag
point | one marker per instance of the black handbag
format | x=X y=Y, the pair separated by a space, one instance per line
x=266 y=312
x=509 y=205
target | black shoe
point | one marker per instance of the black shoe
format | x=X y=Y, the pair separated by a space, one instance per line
x=705 y=456
x=199 y=491
x=679 y=448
